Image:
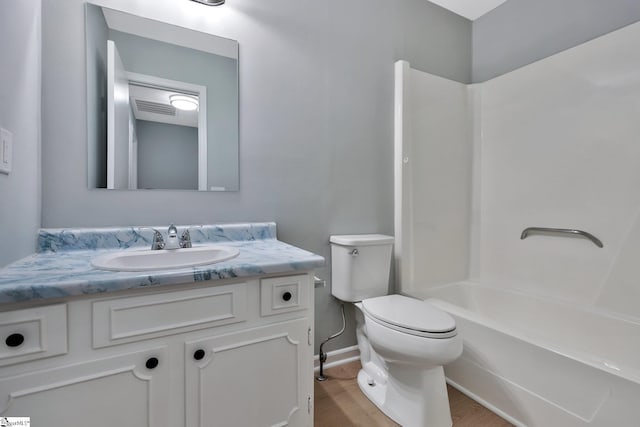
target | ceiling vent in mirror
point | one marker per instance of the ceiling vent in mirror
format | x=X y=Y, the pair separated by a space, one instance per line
x=211 y=2
x=155 y=107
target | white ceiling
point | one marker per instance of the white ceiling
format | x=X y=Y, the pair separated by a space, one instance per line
x=470 y=9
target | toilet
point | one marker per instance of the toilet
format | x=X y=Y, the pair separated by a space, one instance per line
x=404 y=342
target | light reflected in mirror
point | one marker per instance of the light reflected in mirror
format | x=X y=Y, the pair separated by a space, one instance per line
x=162 y=105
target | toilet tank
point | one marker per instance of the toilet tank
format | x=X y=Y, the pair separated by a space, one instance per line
x=360 y=266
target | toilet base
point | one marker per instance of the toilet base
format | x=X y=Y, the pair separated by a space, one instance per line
x=410 y=398
x=375 y=392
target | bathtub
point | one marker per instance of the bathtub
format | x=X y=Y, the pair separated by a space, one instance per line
x=539 y=362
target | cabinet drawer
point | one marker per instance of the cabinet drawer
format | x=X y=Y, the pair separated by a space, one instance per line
x=284 y=294
x=124 y=320
x=33 y=333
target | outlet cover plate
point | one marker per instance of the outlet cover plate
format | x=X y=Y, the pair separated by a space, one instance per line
x=6 y=151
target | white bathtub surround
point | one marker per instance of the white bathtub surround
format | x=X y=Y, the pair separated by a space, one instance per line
x=559 y=148
x=553 y=144
x=433 y=160
x=551 y=336
x=539 y=362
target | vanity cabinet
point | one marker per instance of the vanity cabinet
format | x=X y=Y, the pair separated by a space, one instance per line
x=217 y=353
x=261 y=373
x=129 y=389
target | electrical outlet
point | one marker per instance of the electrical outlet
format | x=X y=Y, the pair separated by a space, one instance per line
x=6 y=151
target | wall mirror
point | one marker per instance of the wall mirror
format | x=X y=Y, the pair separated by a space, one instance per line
x=162 y=105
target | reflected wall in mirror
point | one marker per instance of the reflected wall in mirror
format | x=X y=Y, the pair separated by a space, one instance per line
x=162 y=105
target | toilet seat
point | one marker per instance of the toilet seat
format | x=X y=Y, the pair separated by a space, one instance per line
x=410 y=316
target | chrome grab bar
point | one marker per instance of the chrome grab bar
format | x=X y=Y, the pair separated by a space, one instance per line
x=580 y=233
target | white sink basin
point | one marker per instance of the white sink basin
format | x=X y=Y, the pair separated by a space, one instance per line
x=146 y=259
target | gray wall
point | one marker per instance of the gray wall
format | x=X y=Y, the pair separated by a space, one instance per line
x=316 y=118
x=520 y=32
x=167 y=156
x=20 y=77
x=316 y=109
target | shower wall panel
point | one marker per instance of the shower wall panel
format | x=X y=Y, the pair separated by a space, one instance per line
x=433 y=179
x=560 y=147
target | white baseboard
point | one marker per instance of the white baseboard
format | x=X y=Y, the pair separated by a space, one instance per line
x=337 y=357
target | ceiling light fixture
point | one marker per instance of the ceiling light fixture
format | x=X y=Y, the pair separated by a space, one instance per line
x=184 y=102
x=211 y=2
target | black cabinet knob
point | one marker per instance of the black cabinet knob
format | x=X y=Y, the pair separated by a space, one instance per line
x=14 y=340
x=286 y=296
x=199 y=354
x=152 y=363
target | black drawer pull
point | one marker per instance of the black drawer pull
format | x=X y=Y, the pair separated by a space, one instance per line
x=14 y=340
x=152 y=363
x=286 y=296
x=199 y=354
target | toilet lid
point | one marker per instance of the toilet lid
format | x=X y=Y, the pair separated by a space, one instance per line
x=409 y=313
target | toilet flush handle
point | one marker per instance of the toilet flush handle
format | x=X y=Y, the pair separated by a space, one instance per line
x=355 y=252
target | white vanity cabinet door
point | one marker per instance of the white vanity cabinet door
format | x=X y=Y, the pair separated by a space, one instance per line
x=257 y=377
x=124 y=390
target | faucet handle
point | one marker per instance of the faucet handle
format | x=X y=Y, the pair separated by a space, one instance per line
x=185 y=239
x=158 y=241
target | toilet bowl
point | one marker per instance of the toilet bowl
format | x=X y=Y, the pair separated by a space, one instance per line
x=413 y=392
x=410 y=331
x=403 y=342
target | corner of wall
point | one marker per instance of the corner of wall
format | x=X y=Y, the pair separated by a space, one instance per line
x=21 y=43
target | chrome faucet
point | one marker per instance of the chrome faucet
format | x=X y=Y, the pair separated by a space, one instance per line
x=185 y=239
x=172 y=238
x=158 y=242
x=173 y=242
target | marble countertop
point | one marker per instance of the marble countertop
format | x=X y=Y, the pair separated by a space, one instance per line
x=61 y=267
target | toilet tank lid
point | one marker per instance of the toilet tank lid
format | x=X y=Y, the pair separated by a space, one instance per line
x=361 y=239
